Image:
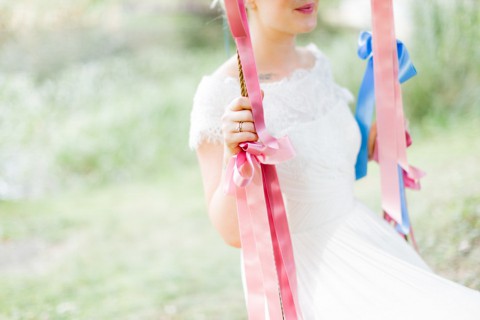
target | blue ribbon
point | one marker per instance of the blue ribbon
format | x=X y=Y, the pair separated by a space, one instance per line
x=404 y=227
x=366 y=95
x=364 y=113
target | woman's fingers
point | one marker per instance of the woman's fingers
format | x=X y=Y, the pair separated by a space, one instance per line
x=240 y=103
x=244 y=127
x=244 y=137
x=242 y=115
x=238 y=125
x=235 y=127
x=232 y=127
x=232 y=141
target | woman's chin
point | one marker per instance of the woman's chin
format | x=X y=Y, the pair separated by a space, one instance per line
x=307 y=27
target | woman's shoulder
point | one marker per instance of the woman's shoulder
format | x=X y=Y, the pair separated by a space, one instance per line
x=228 y=69
x=219 y=82
x=216 y=89
x=323 y=66
x=213 y=94
x=312 y=49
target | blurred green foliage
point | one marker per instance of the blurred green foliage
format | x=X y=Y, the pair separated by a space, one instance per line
x=104 y=98
x=446 y=51
x=100 y=91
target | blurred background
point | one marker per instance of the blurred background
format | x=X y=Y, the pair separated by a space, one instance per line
x=102 y=213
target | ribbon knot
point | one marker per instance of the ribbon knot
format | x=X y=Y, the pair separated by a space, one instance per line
x=365 y=50
x=241 y=167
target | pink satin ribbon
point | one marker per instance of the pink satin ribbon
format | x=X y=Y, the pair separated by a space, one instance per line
x=410 y=182
x=265 y=237
x=391 y=138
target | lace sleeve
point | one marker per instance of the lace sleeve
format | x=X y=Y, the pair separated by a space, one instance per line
x=209 y=102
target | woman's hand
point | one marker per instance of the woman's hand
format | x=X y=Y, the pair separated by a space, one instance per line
x=372 y=136
x=238 y=125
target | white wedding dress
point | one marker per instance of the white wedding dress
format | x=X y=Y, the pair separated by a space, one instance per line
x=351 y=264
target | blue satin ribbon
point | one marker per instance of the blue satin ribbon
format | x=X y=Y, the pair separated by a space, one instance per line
x=366 y=95
x=404 y=227
x=364 y=112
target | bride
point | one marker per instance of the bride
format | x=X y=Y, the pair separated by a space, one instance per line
x=351 y=264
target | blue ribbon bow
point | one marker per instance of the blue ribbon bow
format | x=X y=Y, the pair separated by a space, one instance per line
x=366 y=95
x=365 y=107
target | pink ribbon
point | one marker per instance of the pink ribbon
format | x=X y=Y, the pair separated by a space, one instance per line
x=392 y=141
x=265 y=237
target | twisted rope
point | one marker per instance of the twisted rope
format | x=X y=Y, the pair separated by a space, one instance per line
x=243 y=86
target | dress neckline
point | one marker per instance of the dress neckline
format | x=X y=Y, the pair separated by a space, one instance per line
x=297 y=74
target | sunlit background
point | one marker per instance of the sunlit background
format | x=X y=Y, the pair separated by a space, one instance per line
x=102 y=213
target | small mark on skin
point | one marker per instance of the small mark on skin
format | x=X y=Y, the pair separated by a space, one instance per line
x=266 y=76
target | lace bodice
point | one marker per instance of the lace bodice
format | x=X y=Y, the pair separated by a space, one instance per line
x=304 y=96
x=313 y=111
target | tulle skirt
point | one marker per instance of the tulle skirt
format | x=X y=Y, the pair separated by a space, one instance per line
x=357 y=267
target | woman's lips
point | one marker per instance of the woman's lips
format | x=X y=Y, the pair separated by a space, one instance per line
x=306 y=9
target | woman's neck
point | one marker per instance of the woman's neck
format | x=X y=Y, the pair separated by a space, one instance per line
x=276 y=54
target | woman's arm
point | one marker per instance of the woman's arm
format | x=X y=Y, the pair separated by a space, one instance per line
x=213 y=158
x=222 y=208
x=372 y=136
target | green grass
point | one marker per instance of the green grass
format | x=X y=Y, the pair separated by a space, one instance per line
x=147 y=250
x=139 y=251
